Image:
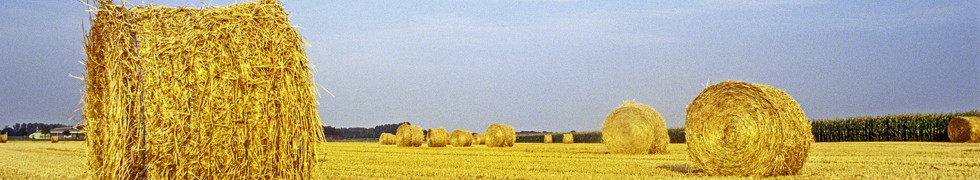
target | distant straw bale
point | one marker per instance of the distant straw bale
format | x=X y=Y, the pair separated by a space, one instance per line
x=461 y=138
x=3 y=138
x=567 y=139
x=742 y=129
x=409 y=136
x=964 y=129
x=188 y=93
x=479 y=139
x=635 y=128
x=437 y=137
x=387 y=139
x=500 y=135
x=547 y=139
x=54 y=139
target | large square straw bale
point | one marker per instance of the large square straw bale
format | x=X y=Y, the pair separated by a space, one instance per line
x=185 y=93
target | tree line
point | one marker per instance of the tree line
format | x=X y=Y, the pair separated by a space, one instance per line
x=24 y=129
x=361 y=132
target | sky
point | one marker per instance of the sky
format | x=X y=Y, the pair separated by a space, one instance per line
x=559 y=65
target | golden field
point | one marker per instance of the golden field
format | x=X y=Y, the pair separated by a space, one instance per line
x=843 y=160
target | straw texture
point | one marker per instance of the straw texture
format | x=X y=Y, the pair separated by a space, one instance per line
x=500 y=135
x=461 y=138
x=437 y=137
x=547 y=139
x=479 y=139
x=964 y=129
x=409 y=136
x=184 y=93
x=737 y=128
x=387 y=139
x=635 y=128
x=567 y=139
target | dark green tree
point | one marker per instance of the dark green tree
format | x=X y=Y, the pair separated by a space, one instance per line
x=7 y=130
x=329 y=131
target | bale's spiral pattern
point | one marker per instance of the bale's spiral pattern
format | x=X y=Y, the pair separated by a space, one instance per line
x=187 y=93
x=479 y=139
x=635 y=128
x=547 y=139
x=567 y=139
x=737 y=128
x=964 y=129
x=387 y=139
x=500 y=135
x=461 y=138
x=409 y=136
x=437 y=137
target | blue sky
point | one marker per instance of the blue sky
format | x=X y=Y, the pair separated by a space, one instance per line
x=562 y=65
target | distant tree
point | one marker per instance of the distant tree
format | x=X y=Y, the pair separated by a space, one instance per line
x=45 y=131
x=330 y=131
x=33 y=127
x=7 y=130
x=22 y=131
x=66 y=132
x=360 y=132
x=17 y=128
x=388 y=128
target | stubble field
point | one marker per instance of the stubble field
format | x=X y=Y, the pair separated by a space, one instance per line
x=842 y=160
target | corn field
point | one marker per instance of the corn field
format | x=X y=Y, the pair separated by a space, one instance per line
x=580 y=137
x=903 y=127
x=900 y=127
x=677 y=135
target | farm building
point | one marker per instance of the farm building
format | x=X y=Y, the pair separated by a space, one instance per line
x=75 y=134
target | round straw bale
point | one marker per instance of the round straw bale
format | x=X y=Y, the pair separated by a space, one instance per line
x=386 y=139
x=3 y=138
x=635 y=128
x=461 y=138
x=479 y=138
x=437 y=137
x=409 y=136
x=742 y=129
x=547 y=139
x=567 y=139
x=500 y=135
x=54 y=139
x=964 y=129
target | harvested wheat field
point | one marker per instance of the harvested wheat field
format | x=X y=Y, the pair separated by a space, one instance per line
x=370 y=160
x=42 y=160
